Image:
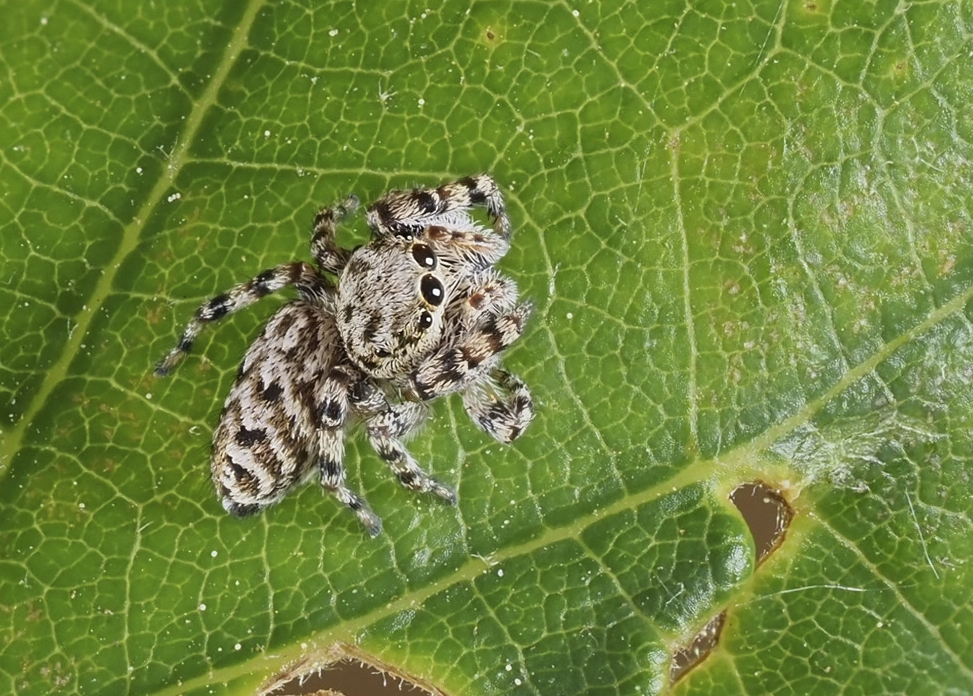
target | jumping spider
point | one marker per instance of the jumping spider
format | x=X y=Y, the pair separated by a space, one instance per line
x=417 y=313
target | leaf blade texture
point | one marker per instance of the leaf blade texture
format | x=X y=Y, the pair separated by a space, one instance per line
x=746 y=229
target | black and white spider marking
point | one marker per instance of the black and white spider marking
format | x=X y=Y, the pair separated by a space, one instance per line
x=417 y=313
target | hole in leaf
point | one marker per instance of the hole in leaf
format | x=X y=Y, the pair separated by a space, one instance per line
x=699 y=648
x=767 y=514
x=340 y=674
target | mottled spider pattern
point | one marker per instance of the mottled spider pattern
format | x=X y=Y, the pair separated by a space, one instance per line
x=418 y=313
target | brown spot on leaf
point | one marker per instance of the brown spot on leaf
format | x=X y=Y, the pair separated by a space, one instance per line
x=345 y=669
x=767 y=514
x=698 y=649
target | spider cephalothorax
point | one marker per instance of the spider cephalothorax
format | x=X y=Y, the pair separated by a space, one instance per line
x=417 y=313
x=386 y=333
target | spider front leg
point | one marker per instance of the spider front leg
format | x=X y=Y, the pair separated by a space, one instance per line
x=385 y=431
x=464 y=242
x=456 y=367
x=310 y=284
x=408 y=212
x=329 y=256
x=490 y=293
x=500 y=404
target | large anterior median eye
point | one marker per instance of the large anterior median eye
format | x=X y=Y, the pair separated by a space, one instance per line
x=432 y=290
x=424 y=256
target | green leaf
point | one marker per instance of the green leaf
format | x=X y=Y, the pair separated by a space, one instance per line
x=747 y=231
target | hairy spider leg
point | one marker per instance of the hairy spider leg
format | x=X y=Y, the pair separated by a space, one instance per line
x=500 y=404
x=334 y=413
x=408 y=212
x=384 y=432
x=464 y=242
x=309 y=283
x=327 y=254
x=489 y=294
x=456 y=367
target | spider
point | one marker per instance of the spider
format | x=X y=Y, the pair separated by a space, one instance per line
x=417 y=313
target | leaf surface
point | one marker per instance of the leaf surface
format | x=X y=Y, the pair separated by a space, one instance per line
x=747 y=231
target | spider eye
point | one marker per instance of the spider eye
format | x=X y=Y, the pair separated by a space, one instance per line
x=432 y=290
x=424 y=256
x=425 y=320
